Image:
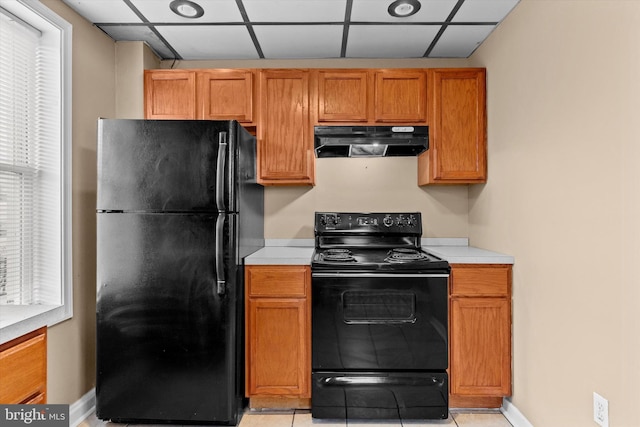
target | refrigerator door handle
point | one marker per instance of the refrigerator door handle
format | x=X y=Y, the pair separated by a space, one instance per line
x=221 y=283
x=221 y=165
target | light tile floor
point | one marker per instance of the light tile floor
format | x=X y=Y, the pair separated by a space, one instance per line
x=302 y=418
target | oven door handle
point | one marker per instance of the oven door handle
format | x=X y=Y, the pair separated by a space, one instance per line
x=381 y=380
x=377 y=275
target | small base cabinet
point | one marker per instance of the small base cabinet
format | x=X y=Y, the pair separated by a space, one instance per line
x=278 y=336
x=480 y=335
x=23 y=369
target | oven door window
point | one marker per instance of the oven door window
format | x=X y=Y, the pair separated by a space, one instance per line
x=387 y=307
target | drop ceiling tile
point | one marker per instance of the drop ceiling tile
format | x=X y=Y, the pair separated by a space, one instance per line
x=390 y=41
x=104 y=10
x=484 y=10
x=377 y=11
x=459 y=41
x=209 y=41
x=158 y=11
x=294 y=41
x=138 y=33
x=295 y=10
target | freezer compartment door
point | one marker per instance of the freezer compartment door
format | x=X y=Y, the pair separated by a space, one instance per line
x=380 y=395
x=166 y=336
x=166 y=165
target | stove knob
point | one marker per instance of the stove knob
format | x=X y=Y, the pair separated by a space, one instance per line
x=387 y=221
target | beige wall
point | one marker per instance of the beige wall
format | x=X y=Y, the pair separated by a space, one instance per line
x=71 y=344
x=563 y=198
x=366 y=185
x=377 y=184
x=132 y=58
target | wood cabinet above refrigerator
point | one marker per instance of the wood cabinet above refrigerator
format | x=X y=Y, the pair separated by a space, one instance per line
x=217 y=94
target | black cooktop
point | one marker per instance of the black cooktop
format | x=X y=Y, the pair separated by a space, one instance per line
x=378 y=259
x=372 y=242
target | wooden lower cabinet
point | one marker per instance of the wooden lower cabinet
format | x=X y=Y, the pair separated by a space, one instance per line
x=278 y=336
x=479 y=335
x=23 y=369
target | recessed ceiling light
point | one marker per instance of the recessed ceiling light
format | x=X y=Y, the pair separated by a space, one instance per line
x=404 y=8
x=186 y=8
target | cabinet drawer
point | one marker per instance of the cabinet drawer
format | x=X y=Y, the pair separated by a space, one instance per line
x=23 y=369
x=277 y=281
x=480 y=280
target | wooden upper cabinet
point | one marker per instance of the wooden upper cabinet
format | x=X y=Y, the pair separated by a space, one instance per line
x=400 y=96
x=226 y=95
x=169 y=94
x=457 y=128
x=364 y=96
x=285 y=137
x=342 y=95
x=281 y=106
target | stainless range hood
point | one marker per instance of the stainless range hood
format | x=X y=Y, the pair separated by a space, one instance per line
x=370 y=141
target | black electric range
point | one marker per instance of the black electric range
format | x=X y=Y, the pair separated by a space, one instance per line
x=379 y=319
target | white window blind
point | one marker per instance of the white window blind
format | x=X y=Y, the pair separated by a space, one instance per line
x=33 y=183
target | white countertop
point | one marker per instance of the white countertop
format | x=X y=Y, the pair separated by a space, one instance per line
x=299 y=252
x=281 y=255
x=468 y=255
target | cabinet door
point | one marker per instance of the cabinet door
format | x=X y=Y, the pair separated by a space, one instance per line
x=169 y=94
x=400 y=96
x=225 y=95
x=480 y=346
x=278 y=331
x=342 y=96
x=23 y=369
x=457 y=151
x=285 y=144
x=278 y=347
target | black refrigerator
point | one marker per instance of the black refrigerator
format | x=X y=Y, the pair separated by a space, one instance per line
x=178 y=209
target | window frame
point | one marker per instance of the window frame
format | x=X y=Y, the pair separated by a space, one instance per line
x=19 y=320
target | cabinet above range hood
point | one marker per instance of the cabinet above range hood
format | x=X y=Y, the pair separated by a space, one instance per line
x=370 y=141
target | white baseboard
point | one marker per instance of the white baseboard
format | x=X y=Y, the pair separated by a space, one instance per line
x=82 y=408
x=515 y=417
x=86 y=405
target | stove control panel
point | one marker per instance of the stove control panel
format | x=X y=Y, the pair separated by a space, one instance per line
x=375 y=223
